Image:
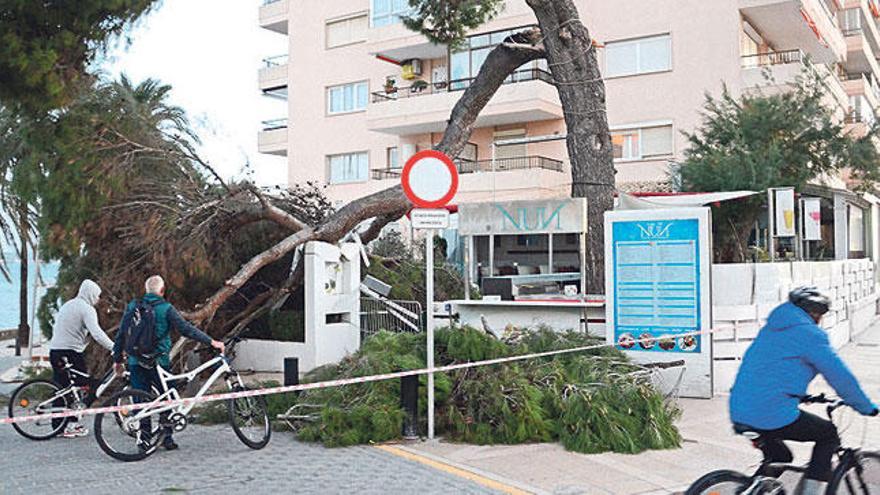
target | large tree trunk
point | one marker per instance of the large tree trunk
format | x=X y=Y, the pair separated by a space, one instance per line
x=23 y=327
x=572 y=61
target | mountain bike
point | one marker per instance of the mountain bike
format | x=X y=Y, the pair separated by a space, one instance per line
x=857 y=471
x=41 y=396
x=142 y=430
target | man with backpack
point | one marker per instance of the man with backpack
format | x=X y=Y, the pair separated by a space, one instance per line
x=145 y=336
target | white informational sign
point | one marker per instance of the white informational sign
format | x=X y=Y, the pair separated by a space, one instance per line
x=783 y=200
x=812 y=213
x=435 y=219
x=658 y=291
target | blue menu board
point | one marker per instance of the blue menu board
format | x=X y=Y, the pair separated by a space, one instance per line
x=656 y=285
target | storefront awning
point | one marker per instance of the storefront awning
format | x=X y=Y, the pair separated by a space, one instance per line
x=630 y=202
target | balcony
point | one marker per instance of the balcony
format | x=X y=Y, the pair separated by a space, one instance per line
x=527 y=96
x=860 y=53
x=272 y=139
x=466 y=166
x=783 y=68
x=273 y=77
x=859 y=15
x=273 y=15
x=808 y=24
x=863 y=85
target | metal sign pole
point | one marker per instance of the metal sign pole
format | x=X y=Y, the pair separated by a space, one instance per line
x=771 y=231
x=429 y=325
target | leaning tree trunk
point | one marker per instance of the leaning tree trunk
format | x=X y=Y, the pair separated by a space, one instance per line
x=571 y=56
x=390 y=204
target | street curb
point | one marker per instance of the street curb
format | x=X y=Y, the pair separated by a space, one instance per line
x=513 y=487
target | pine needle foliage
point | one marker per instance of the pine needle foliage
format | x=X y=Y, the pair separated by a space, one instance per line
x=593 y=401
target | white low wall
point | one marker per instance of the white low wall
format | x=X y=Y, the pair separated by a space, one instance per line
x=266 y=356
x=744 y=294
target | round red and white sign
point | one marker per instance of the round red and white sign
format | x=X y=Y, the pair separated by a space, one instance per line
x=429 y=179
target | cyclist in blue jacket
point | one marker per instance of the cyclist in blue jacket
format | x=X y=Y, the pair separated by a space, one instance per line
x=789 y=351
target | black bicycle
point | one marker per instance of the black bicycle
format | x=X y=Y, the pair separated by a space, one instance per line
x=857 y=470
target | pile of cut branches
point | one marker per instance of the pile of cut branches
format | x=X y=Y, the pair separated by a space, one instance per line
x=591 y=401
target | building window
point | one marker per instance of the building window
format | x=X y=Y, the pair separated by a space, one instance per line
x=856 y=229
x=387 y=12
x=466 y=61
x=350 y=167
x=392 y=158
x=510 y=150
x=347 y=98
x=346 y=31
x=644 y=143
x=641 y=56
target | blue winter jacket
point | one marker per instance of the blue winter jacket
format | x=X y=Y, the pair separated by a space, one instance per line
x=779 y=365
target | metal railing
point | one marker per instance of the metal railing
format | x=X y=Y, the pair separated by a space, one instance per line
x=391 y=316
x=269 y=2
x=269 y=125
x=466 y=166
x=414 y=90
x=386 y=173
x=768 y=59
x=857 y=117
x=276 y=61
x=857 y=31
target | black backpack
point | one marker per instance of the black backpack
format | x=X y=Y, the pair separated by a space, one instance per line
x=139 y=331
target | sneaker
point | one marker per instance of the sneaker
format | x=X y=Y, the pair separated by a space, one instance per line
x=75 y=430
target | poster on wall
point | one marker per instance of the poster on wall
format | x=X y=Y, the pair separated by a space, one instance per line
x=812 y=218
x=783 y=200
x=658 y=289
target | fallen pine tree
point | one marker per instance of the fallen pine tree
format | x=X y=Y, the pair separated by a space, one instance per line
x=591 y=401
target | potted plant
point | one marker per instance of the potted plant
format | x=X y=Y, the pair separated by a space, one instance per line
x=418 y=86
x=390 y=85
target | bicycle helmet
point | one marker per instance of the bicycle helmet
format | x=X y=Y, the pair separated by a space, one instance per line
x=810 y=299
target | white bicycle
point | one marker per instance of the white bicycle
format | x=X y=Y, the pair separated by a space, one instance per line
x=138 y=435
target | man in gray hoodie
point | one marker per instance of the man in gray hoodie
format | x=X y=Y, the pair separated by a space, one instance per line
x=75 y=321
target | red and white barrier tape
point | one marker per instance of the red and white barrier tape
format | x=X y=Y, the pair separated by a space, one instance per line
x=327 y=384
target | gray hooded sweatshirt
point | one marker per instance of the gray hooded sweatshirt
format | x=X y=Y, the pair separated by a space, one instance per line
x=76 y=319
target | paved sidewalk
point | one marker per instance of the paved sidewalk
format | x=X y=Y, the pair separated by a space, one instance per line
x=212 y=460
x=708 y=444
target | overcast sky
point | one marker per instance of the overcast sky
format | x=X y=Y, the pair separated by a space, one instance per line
x=209 y=51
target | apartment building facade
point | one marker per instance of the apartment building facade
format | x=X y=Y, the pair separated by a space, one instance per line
x=364 y=93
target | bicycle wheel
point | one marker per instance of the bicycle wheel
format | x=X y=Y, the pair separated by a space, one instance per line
x=250 y=420
x=35 y=397
x=723 y=482
x=122 y=438
x=861 y=477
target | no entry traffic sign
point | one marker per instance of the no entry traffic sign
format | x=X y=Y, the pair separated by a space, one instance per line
x=429 y=179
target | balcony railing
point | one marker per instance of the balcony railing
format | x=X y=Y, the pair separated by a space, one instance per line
x=268 y=2
x=457 y=85
x=466 y=166
x=857 y=117
x=386 y=173
x=855 y=31
x=772 y=58
x=276 y=61
x=270 y=125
